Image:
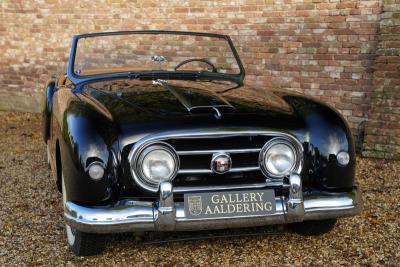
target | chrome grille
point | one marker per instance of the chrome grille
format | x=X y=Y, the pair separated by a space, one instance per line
x=196 y=147
x=205 y=156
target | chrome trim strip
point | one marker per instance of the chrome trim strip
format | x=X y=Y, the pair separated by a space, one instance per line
x=137 y=216
x=207 y=133
x=245 y=169
x=190 y=171
x=201 y=171
x=231 y=151
x=211 y=107
x=186 y=189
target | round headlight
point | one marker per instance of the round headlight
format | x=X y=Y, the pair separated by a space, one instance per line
x=96 y=171
x=343 y=158
x=278 y=158
x=157 y=163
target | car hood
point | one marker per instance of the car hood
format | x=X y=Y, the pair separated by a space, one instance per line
x=123 y=98
x=151 y=106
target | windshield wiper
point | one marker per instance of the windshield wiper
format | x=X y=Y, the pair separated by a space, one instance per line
x=151 y=75
x=181 y=75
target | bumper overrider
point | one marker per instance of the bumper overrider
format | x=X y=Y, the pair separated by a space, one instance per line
x=167 y=215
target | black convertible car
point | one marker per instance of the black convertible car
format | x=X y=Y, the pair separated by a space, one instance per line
x=155 y=131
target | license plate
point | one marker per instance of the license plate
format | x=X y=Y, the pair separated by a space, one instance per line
x=229 y=204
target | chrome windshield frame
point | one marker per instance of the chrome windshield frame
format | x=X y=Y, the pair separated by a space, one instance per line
x=76 y=79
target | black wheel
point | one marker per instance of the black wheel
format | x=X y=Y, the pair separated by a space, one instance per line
x=313 y=228
x=84 y=244
x=81 y=243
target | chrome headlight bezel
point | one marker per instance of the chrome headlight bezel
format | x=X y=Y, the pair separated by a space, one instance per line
x=296 y=148
x=136 y=162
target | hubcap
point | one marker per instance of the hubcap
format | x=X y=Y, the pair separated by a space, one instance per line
x=48 y=153
x=70 y=231
x=70 y=235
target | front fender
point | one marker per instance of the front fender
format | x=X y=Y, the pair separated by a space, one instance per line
x=326 y=134
x=85 y=136
x=49 y=90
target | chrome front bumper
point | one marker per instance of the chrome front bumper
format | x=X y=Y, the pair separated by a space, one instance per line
x=167 y=215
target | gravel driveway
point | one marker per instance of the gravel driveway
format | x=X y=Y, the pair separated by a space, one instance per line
x=32 y=230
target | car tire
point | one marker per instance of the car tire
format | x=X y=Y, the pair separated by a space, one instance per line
x=313 y=228
x=81 y=243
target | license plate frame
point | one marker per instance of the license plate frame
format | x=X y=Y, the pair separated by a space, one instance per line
x=229 y=204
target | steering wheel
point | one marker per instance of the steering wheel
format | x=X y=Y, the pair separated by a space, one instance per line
x=214 y=69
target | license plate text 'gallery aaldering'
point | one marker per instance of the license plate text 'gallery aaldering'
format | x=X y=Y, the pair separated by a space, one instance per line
x=229 y=204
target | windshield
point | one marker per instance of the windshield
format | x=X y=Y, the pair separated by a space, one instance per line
x=154 y=51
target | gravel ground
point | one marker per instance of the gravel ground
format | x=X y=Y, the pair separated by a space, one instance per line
x=32 y=230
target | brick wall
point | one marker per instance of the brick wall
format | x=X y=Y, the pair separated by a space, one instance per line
x=382 y=131
x=323 y=48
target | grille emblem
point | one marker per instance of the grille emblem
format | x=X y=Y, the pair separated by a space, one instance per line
x=221 y=163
